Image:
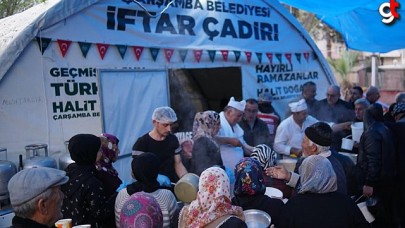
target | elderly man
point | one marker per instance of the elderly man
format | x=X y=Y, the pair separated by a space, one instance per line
x=317 y=140
x=360 y=105
x=308 y=94
x=230 y=135
x=332 y=108
x=373 y=94
x=255 y=130
x=162 y=143
x=291 y=130
x=36 y=197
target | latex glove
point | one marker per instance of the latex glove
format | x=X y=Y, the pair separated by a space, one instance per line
x=163 y=180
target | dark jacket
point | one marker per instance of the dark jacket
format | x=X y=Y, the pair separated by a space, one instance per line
x=376 y=158
x=19 y=222
x=85 y=201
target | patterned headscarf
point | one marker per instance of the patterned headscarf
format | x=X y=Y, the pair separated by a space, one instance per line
x=141 y=210
x=398 y=109
x=204 y=123
x=109 y=153
x=249 y=178
x=264 y=155
x=213 y=199
x=317 y=175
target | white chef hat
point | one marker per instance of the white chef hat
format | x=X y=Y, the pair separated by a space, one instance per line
x=239 y=105
x=298 y=106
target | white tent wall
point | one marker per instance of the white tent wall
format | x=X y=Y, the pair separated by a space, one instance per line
x=50 y=97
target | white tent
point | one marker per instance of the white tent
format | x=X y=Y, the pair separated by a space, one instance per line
x=72 y=66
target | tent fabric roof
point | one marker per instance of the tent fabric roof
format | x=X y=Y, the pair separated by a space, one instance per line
x=359 y=22
x=20 y=29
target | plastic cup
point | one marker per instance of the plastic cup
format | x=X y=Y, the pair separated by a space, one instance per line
x=64 y=223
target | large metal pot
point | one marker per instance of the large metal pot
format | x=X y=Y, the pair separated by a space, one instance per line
x=65 y=159
x=35 y=160
x=7 y=170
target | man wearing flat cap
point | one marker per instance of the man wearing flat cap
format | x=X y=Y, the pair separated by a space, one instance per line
x=317 y=140
x=36 y=197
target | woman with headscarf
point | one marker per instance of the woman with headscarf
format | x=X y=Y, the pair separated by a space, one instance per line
x=206 y=151
x=85 y=200
x=317 y=203
x=141 y=210
x=145 y=168
x=106 y=172
x=249 y=190
x=212 y=207
x=376 y=167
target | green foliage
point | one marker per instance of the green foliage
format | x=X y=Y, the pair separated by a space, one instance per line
x=344 y=65
x=10 y=7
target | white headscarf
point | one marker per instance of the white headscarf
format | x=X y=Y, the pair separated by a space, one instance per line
x=317 y=175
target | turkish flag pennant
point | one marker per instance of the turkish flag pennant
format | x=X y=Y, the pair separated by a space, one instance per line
x=270 y=57
x=298 y=56
x=225 y=54
x=168 y=54
x=43 y=43
x=102 y=49
x=197 y=55
x=248 y=56
x=137 y=51
x=288 y=56
x=64 y=46
x=306 y=56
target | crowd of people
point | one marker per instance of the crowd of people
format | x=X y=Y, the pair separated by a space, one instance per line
x=235 y=153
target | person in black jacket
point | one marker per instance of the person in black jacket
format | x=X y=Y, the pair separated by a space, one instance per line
x=376 y=169
x=85 y=199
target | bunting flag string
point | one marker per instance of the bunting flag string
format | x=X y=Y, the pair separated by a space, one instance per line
x=137 y=51
x=43 y=43
x=225 y=54
x=102 y=49
x=306 y=56
x=270 y=57
x=248 y=56
x=288 y=57
x=84 y=48
x=279 y=57
x=122 y=49
x=154 y=52
x=237 y=55
x=168 y=53
x=259 y=57
x=298 y=57
x=183 y=54
x=64 y=46
x=197 y=55
x=211 y=54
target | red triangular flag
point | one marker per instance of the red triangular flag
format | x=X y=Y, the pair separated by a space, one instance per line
x=248 y=56
x=306 y=56
x=102 y=49
x=225 y=54
x=137 y=51
x=64 y=46
x=270 y=57
x=288 y=56
x=168 y=54
x=197 y=55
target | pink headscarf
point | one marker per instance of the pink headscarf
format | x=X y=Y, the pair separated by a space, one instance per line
x=109 y=154
x=213 y=200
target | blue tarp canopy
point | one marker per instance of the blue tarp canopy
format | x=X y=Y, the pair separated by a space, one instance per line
x=359 y=22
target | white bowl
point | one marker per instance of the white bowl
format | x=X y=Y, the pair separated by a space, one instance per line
x=274 y=193
x=257 y=218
